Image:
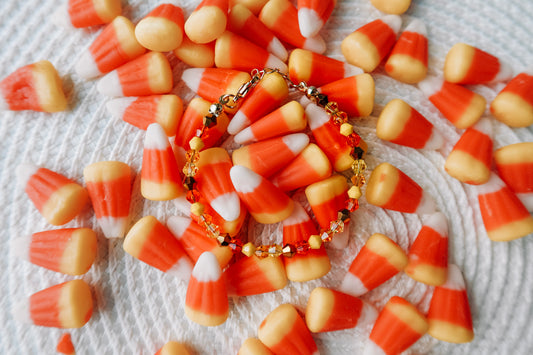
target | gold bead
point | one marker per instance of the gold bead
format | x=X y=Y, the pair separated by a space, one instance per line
x=315 y=241
x=354 y=192
x=346 y=129
x=248 y=249
x=197 y=209
x=196 y=143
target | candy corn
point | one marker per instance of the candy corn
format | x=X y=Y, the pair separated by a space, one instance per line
x=253 y=346
x=208 y=21
x=328 y=310
x=316 y=69
x=152 y=243
x=394 y=7
x=514 y=104
x=115 y=45
x=312 y=15
x=162 y=29
x=449 y=315
x=86 y=13
x=147 y=75
x=34 y=87
x=466 y=64
x=428 y=256
x=401 y=124
x=206 y=302
x=109 y=186
x=198 y=55
x=471 y=158
x=367 y=46
x=515 y=166
x=408 y=60
x=398 y=326
x=378 y=261
x=67 y=305
x=65 y=346
x=70 y=251
x=173 y=348
x=354 y=94
x=284 y=332
x=253 y=276
x=254 y=6
x=57 y=198
x=504 y=216
x=390 y=188
x=459 y=105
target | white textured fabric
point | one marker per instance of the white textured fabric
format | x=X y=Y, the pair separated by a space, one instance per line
x=138 y=308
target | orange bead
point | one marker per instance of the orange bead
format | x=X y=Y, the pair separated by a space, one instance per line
x=253 y=276
x=162 y=29
x=313 y=14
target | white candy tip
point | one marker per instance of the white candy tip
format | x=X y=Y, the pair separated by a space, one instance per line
x=61 y=17
x=438 y=222
x=352 y=285
x=86 y=66
x=192 y=78
x=244 y=180
x=21 y=247
x=484 y=125
x=493 y=185
x=455 y=279
x=316 y=116
x=207 y=268
x=309 y=21
x=238 y=123
x=182 y=269
x=351 y=70
x=296 y=142
x=430 y=85
x=506 y=72
x=417 y=26
x=24 y=172
x=245 y=136
x=182 y=205
x=435 y=141
x=368 y=316
x=228 y=206
x=178 y=225
x=340 y=240
x=527 y=200
x=372 y=348
x=278 y=49
x=276 y=63
x=427 y=205
x=298 y=216
x=113 y=227
x=315 y=44
x=393 y=21
x=21 y=311
x=3 y=104
x=117 y=107
x=156 y=137
x=110 y=85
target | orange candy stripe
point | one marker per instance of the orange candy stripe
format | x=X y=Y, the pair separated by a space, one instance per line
x=381 y=35
x=260 y=102
x=298 y=173
x=160 y=166
x=246 y=277
x=47 y=300
x=521 y=85
x=517 y=176
x=215 y=82
x=323 y=8
x=59 y=238
x=82 y=15
x=108 y=42
x=451 y=93
x=132 y=85
x=431 y=248
x=161 y=249
x=471 y=142
x=332 y=142
x=501 y=208
x=194 y=241
x=286 y=27
x=449 y=302
x=198 y=292
x=327 y=211
x=65 y=346
x=416 y=132
x=99 y=191
x=322 y=69
x=170 y=12
x=273 y=200
x=246 y=55
x=43 y=184
x=483 y=68
x=253 y=30
x=344 y=314
x=405 y=187
x=371 y=268
x=214 y=180
x=414 y=45
x=344 y=93
x=18 y=90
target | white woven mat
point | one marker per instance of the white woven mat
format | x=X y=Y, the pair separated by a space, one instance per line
x=138 y=309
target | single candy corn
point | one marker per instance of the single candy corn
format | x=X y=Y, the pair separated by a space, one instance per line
x=254 y=6
x=67 y=305
x=86 y=13
x=401 y=124
x=109 y=186
x=253 y=276
x=408 y=60
x=514 y=104
x=315 y=263
x=504 y=215
x=281 y=16
x=269 y=156
x=316 y=69
x=471 y=158
x=459 y=105
x=147 y=75
x=173 y=348
x=206 y=302
x=65 y=346
x=394 y=7
x=310 y=166
x=271 y=91
x=367 y=46
x=115 y=45
x=160 y=176
x=398 y=326
x=197 y=55
x=328 y=310
x=265 y=202
x=428 y=255
x=36 y=87
x=57 y=198
x=253 y=346
x=145 y=110
x=208 y=21
x=152 y=243
x=70 y=251
x=515 y=166
x=327 y=198
x=449 y=314
x=466 y=64
x=162 y=29
x=390 y=188
x=313 y=14
x=354 y=94
x=378 y=261
x=244 y=23
x=284 y=332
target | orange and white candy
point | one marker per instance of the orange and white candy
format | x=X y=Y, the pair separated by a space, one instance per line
x=390 y=188
x=36 y=87
x=66 y=305
x=354 y=94
x=253 y=276
x=70 y=251
x=65 y=346
x=514 y=163
x=284 y=332
x=197 y=55
x=281 y=17
x=393 y=7
x=313 y=14
x=368 y=45
x=115 y=45
x=504 y=216
x=465 y=64
x=152 y=243
x=266 y=203
x=449 y=315
x=162 y=29
x=471 y=158
x=208 y=21
x=86 y=13
x=401 y=124
x=109 y=186
x=269 y=156
x=398 y=326
x=408 y=60
x=206 y=301
x=57 y=198
x=173 y=348
x=428 y=255
x=514 y=104
x=145 y=110
x=253 y=346
x=328 y=310
x=149 y=74
x=377 y=261
x=254 y=6
x=459 y=105
x=316 y=69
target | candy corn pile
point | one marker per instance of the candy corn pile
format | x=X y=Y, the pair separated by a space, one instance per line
x=434 y=224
